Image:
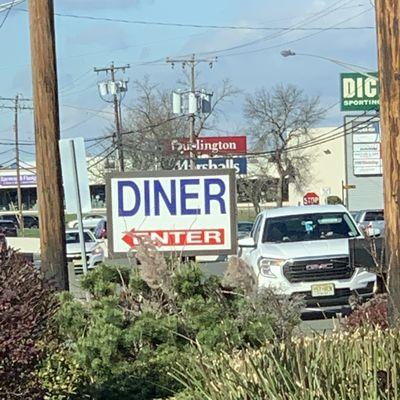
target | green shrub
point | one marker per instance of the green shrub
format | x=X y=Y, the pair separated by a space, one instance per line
x=140 y=323
x=361 y=365
x=60 y=375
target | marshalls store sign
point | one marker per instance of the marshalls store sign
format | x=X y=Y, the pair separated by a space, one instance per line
x=181 y=212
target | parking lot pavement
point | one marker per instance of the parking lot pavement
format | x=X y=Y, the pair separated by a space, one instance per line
x=25 y=245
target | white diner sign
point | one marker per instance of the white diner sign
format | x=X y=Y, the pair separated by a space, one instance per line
x=181 y=212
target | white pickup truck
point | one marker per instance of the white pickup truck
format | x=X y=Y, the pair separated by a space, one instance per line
x=305 y=251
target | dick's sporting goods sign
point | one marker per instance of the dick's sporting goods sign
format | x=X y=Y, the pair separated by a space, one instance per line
x=181 y=212
x=359 y=92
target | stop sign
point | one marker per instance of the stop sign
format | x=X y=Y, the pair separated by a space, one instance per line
x=311 y=199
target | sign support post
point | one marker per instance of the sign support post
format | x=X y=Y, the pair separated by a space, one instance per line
x=76 y=185
x=78 y=207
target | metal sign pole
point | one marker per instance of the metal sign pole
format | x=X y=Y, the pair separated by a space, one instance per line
x=78 y=207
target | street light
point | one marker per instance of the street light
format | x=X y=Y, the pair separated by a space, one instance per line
x=351 y=67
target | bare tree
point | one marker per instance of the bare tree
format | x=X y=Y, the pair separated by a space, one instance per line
x=280 y=120
x=150 y=125
x=222 y=95
x=258 y=186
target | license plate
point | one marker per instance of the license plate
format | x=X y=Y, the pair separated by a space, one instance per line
x=323 y=289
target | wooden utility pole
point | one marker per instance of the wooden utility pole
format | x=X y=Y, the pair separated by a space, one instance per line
x=47 y=135
x=388 y=25
x=192 y=62
x=116 y=91
x=19 y=192
x=19 y=104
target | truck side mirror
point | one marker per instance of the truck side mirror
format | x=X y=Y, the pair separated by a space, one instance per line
x=247 y=243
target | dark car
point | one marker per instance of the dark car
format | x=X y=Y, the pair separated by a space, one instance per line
x=100 y=231
x=8 y=228
x=244 y=229
x=30 y=221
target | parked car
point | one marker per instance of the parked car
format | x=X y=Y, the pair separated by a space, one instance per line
x=101 y=229
x=305 y=251
x=89 y=221
x=8 y=228
x=94 y=251
x=244 y=228
x=30 y=221
x=370 y=219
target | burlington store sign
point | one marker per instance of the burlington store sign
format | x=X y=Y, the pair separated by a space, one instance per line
x=230 y=147
x=209 y=145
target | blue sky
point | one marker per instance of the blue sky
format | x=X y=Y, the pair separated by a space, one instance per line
x=83 y=44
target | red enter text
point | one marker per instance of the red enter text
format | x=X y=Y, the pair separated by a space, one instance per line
x=194 y=237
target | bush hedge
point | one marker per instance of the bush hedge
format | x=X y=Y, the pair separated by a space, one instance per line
x=127 y=340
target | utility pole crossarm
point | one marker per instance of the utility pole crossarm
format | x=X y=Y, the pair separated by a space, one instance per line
x=112 y=68
x=193 y=59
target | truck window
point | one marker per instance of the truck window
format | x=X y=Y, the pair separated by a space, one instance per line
x=255 y=233
x=374 y=216
x=307 y=227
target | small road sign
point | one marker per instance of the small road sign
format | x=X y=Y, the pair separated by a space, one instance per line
x=311 y=199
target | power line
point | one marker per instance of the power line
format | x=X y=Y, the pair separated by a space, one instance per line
x=67 y=87
x=199 y=26
x=103 y=158
x=81 y=122
x=4 y=152
x=93 y=110
x=322 y=139
x=7 y=6
x=283 y=43
x=3 y=164
x=27 y=152
x=100 y=142
x=73 y=91
x=323 y=13
x=141 y=130
x=10 y=6
x=326 y=11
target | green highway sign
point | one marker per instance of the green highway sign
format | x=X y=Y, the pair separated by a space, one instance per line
x=359 y=92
